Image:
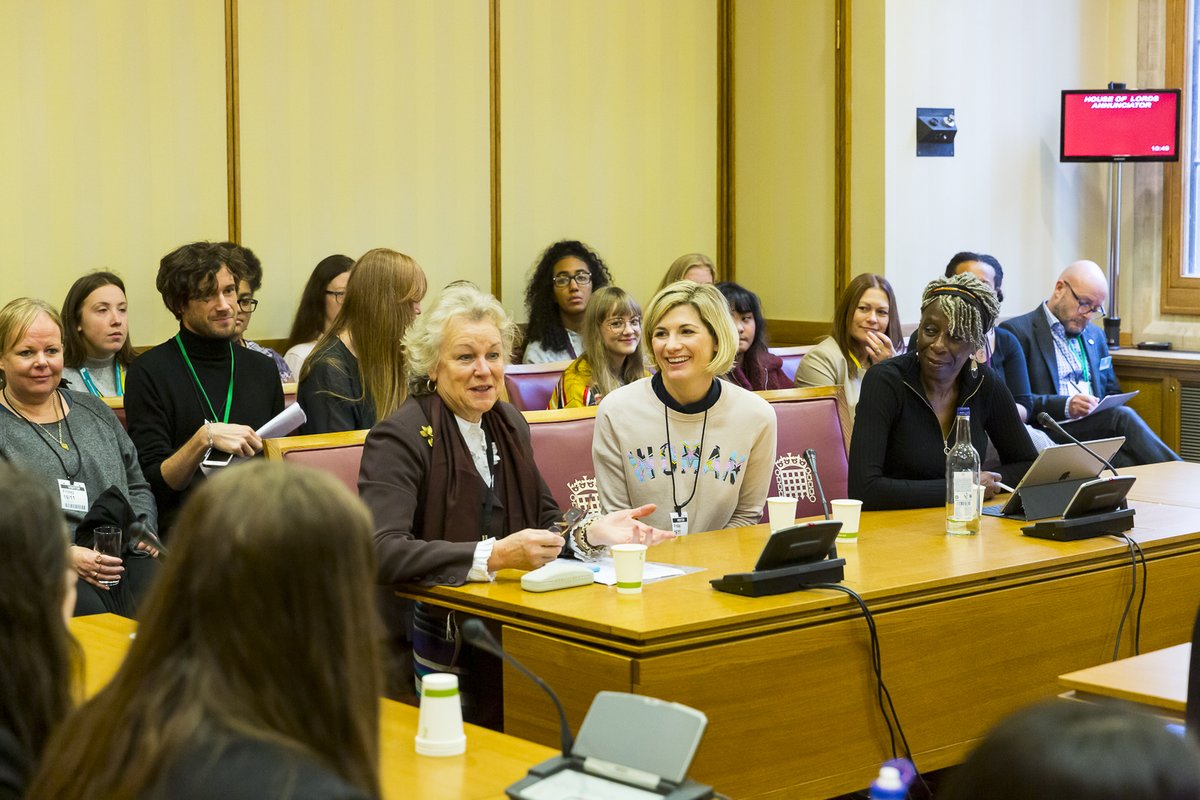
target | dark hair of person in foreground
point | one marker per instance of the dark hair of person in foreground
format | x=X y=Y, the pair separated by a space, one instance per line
x=38 y=663
x=255 y=670
x=1078 y=751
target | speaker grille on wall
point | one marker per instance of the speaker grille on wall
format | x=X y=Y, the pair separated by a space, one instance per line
x=1189 y=422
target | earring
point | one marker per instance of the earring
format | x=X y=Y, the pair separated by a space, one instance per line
x=430 y=386
x=974 y=366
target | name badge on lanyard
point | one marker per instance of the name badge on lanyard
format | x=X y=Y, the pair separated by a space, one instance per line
x=72 y=496
x=679 y=523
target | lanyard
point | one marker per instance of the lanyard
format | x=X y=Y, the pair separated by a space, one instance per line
x=1077 y=346
x=94 y=389
x=45 y=436
x=699 y=455
x=196 y=378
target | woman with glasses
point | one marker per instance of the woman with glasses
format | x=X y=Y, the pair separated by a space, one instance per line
x=97 y=351
x=558 y=293
x=248 y=286
x=355 y=374
x=319 y=306
x=612 y=356
x=755 y=367
x=699 y=448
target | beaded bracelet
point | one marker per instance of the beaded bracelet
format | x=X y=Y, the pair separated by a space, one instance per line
x=585 y=549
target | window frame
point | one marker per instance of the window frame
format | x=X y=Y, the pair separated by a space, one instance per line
x=1180 y=295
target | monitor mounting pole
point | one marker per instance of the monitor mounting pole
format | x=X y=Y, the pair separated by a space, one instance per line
x=1112 y=318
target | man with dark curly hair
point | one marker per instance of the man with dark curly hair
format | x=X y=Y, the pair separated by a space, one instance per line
x=196 y=398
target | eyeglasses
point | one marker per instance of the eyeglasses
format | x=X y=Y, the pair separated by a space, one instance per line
x=247 y=304
x=617 y=324
x=337 y=296
x=1084 y=308
x=580 y=278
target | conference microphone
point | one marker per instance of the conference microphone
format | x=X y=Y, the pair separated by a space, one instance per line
x=141 y=533
x=810 y=456
x=1048 y=421
x=477 y=634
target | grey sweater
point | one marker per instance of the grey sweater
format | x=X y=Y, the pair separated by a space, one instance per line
x=101 y=454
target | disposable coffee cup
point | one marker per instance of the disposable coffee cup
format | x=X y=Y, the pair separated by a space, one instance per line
x=781 y=512
x=848 y=513
x=629 y=562
x=439 y=724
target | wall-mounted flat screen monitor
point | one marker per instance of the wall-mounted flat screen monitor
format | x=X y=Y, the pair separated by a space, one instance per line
x=1108 y=125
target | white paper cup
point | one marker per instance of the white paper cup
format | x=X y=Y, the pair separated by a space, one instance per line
x=629 y=561
x=440 y=725
x=781 y=511
x=848 y=511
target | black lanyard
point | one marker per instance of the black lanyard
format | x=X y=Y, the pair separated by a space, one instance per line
x=45 y=437
x=699 y=455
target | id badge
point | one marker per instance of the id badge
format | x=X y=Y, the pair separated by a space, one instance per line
x=679 y=523
x=72 y=496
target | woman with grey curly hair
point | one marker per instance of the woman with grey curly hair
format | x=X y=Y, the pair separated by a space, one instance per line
x=454 y=490
x=903 y=426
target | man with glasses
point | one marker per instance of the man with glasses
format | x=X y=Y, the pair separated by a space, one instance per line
x=1070 y=369
x=196 y=400
x=248 y=286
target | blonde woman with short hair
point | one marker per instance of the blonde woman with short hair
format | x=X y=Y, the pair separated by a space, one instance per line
x=699 y=448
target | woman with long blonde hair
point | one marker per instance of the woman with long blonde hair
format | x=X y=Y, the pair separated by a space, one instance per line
x=612 y=354
x=355 y=374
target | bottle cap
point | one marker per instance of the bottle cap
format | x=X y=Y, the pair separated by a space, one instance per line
x=964 y=411
x=889 y=778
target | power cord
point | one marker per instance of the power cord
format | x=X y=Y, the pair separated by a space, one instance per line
x=1135 y=554
x=881 y=691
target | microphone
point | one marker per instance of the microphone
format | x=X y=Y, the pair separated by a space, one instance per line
x=477 y=635
x=1048 y=421
x=810 y=456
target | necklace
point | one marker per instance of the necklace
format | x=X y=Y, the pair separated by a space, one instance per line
x=61 y=442
x=59 y=438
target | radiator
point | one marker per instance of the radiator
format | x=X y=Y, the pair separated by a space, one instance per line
x=1189 y=422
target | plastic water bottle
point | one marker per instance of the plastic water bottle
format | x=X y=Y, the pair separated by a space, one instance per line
x=889 y=785
x=964 y=495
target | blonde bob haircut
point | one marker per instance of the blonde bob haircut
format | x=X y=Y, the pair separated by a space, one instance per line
x=713 y=310
x=680 y=266
x=459 y=301
x=16 y=318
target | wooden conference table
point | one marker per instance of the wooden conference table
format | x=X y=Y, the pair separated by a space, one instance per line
x=492 y=762
x=1156 y=682
x=970 y=629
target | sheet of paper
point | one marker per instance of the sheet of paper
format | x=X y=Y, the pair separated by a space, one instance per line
x=568 y=785
x=1106 y=402
x=607 y=573
x=284 y=422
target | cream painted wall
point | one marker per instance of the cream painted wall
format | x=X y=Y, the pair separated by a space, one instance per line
x=867 y=133
x=114 y=143
x=785 y=208
x=361 y=130
x=1005 y=191
x=608 y=134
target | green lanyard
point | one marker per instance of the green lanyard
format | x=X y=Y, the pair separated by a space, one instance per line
x=1077 y=346
x=196 y=378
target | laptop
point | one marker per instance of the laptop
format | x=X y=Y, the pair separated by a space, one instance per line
x=1058 y=464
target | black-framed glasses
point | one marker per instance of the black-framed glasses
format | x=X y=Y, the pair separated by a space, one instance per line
x=337 y=296
x=247 y=304
x=1084 y=308
x=617 y=324
x=580 y=278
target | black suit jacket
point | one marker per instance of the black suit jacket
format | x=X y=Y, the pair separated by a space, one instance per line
x=1033 y=333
